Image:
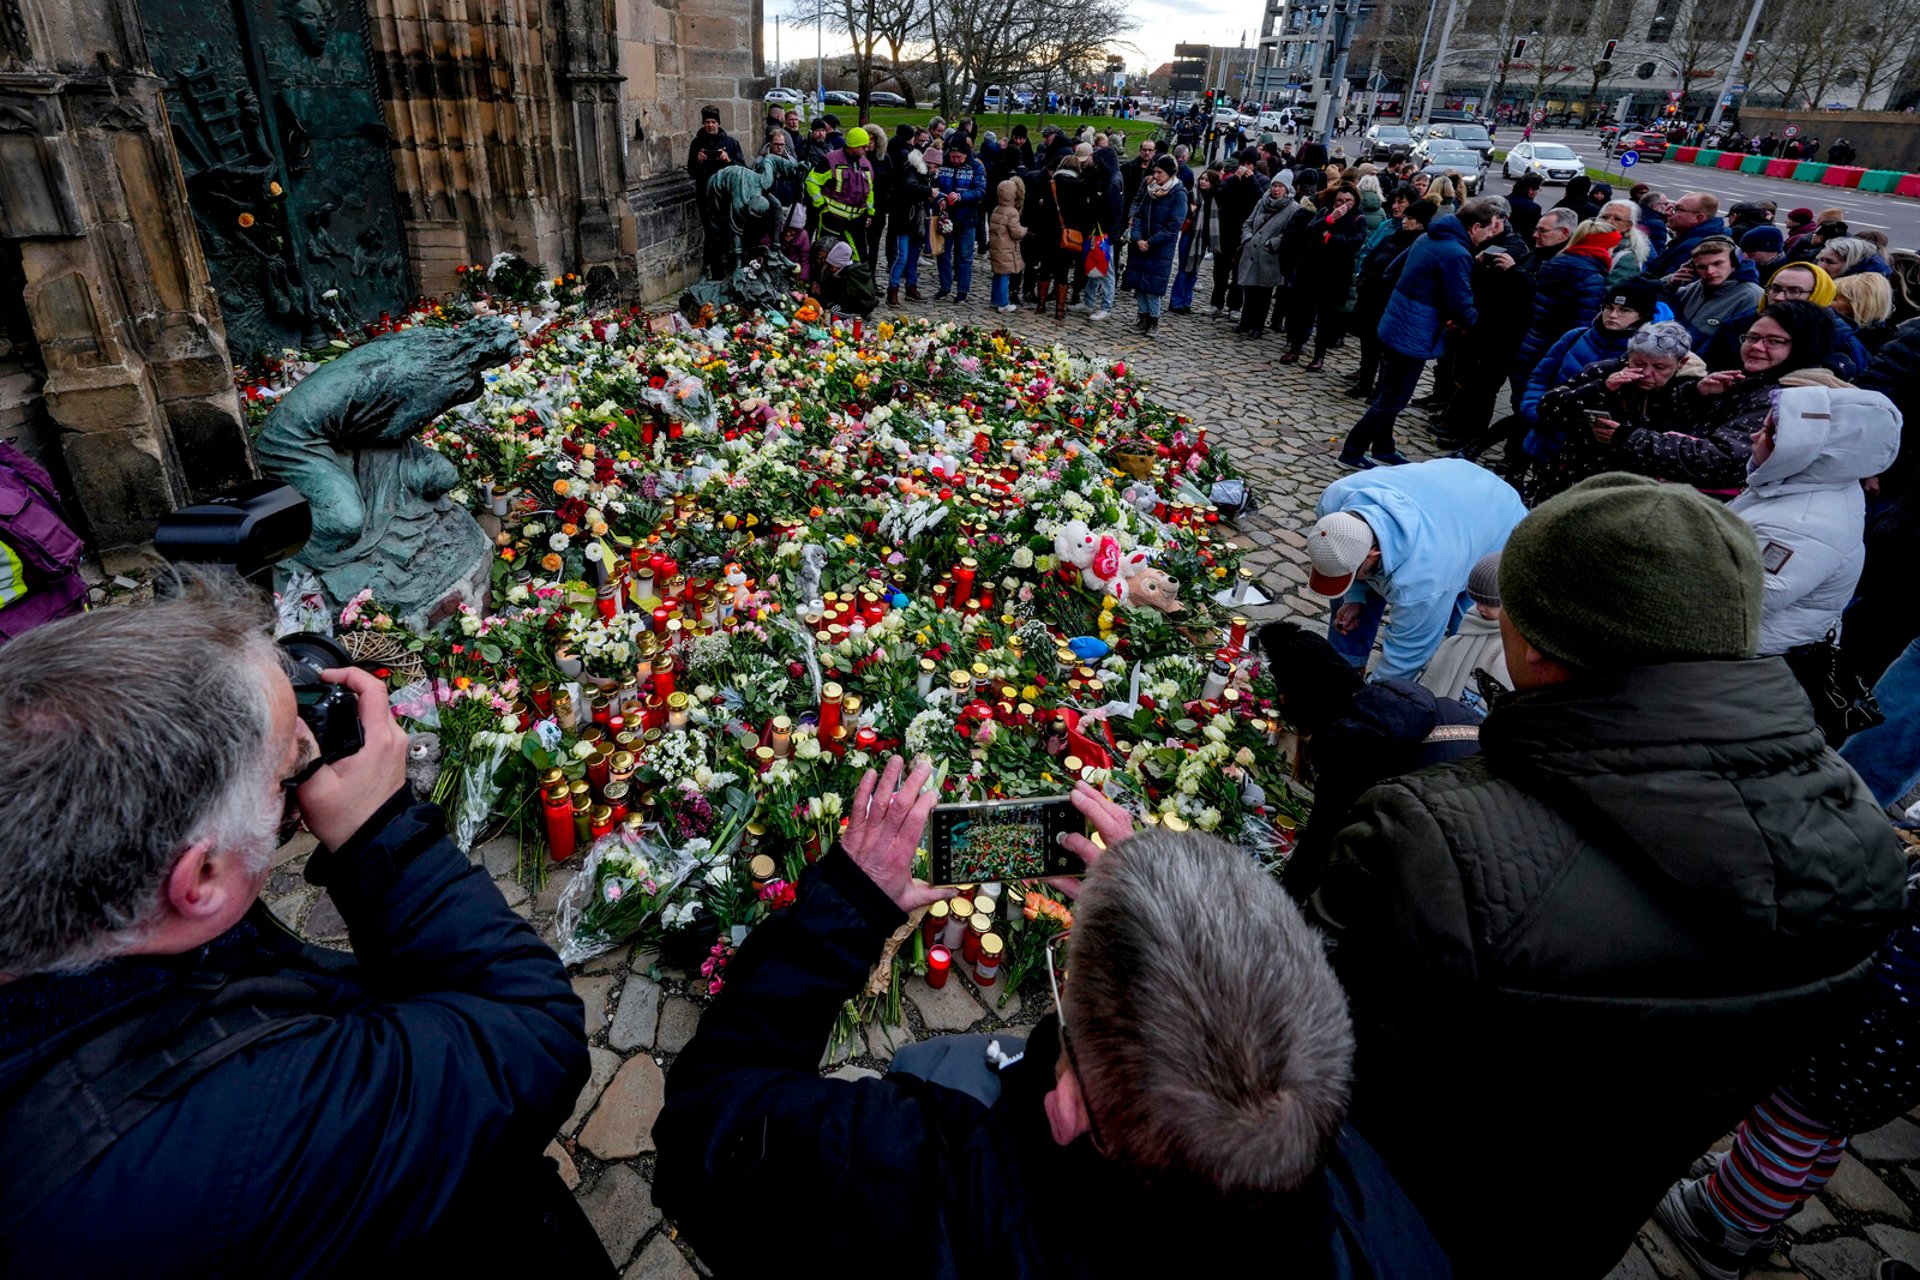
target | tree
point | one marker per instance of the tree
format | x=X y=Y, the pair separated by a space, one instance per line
x=1389 y=41
x=1705 y=39
x=1886 y=41
x=867 y=23
x=1554 y=42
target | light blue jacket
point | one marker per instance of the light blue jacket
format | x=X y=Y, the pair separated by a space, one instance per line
x=1432 y=522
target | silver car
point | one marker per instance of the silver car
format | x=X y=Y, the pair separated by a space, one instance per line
x=1553 y=161
x=1437 y=159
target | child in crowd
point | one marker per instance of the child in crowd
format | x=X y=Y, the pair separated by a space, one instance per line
x=1475 y=646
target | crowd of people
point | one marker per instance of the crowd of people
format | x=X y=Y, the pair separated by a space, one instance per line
x=1601 y=863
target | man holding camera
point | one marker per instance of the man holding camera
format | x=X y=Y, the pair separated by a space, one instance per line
x=1184 y=1103
x=711 y=150
x=187 y=1089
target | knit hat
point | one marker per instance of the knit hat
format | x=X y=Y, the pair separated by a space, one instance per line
x=1623 y=571
x=1309 y=180
x=958 y=142
x=1336 y=546
x=1483 y=583
x=1765 y=238
x=1422 y=212
x=710 y=113
x=1639 y=293
x=1284 y=179
x=857 y=137
x=1751 y=209
x=1799 y=217
x=1168 y=165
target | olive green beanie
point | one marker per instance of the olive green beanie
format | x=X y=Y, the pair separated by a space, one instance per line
x=1622 y=571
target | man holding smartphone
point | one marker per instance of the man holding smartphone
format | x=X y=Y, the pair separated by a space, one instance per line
x=1194 y=1074
x=185 y=1088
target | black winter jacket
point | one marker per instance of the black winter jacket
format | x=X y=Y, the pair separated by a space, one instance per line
x=932 y=1179
x=1631 y=912
x=1384 y=734
x=377 y=1137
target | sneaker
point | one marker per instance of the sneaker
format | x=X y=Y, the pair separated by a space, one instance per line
x=1007 y=310
x=1355 y=461
x=941 y=295
x=1716 y=1251
x=1101 y=314
x=1395 y=458
x=1217 y=312
x=960 y=300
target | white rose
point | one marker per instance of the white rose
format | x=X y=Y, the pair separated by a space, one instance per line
x=470 y=624
x=1023 y=558
x=806 y=748
x=558 y=542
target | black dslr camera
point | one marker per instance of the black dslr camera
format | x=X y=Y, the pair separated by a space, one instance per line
x=253 y=527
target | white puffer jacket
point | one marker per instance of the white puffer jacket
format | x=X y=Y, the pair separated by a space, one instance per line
x=1807 y=509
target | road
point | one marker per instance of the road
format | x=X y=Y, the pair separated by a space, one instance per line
x=1898 y=216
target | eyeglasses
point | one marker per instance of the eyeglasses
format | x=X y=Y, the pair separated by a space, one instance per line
x=1751 y=339
x=1787 y=292
x=1057 y=953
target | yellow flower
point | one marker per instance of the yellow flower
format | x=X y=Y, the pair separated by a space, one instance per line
x=274 y=189
x=852 y=540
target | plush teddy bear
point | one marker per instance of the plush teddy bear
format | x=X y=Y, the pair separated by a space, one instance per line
x=1103 y=567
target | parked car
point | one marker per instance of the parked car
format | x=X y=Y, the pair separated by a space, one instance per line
x=882 y=99
x=1469 y=164
x=1388 y=142
x=1472 y=136
x=1553 y=161
x=785 y=97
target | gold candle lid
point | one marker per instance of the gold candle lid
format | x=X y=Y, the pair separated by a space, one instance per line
x=983 y=904
x=577 y=789
x=761 y=868
x=1073 y=764
x=981 y=671
x=634 y=823
x=968 y=562
x=583 y=804
x=979 y=923
x=1173 y=822
x=851 y=703
x=763 y=754
x=927 y=666
x=960 y=908
x=830 y=692
x=615 y=791
x=992 y=945
x=602 y=813
x=938 y=911
x=678 y=702
x=782 y=724
x=623 y=762
x=552 y=778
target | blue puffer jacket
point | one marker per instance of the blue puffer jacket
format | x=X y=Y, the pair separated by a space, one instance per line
x=1157 y=220
x=1568 y=290
x=969 y=181
x=1655 y=225
x=1574 y=351
x=1436 y=286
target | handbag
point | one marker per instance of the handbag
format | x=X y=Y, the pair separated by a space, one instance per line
x=1843 y=702
x=1071 y=240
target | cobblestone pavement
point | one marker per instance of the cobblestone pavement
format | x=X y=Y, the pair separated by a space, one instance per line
x=1283 y=426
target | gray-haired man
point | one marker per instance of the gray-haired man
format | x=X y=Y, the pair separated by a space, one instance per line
x=184 y=1088
x=1182 y=1107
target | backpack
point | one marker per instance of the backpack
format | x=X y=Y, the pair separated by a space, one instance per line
x=39 y=552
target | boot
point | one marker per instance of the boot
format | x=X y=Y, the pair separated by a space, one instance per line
x=1060 y=304
x=893 y=295
x=914 y=294
x=1046 y=296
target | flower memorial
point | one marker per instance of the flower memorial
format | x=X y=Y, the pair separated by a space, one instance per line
x=736 y=565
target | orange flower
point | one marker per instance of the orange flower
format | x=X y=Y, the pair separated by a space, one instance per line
x=462 y=682
x=560 y=487
x=506 y=553
x=551 y=562
x=246 y=219
x=569 y=529
x=274 y=189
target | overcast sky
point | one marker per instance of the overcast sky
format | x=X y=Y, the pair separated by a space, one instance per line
x=1161 y=25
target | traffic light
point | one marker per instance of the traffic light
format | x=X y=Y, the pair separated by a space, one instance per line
x=1607 y=54
x=1519 y=47
x=1210 y=94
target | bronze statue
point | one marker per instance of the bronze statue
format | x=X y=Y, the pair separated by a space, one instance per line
x=381 y=516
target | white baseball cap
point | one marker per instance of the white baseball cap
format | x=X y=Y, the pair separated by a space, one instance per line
x=1337 y=546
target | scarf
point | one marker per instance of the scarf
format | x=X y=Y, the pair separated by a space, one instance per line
x=1599 y=246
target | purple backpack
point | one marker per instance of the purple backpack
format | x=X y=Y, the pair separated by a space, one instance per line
x=39 y=552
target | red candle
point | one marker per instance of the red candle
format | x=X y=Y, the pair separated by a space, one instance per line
x=963 y=580
x=939 y=963
x=939 y=595
x=597 y=765
x=558 y=809
x=663 y=681
x=866 y=739
x=1237 y=634
x=830 y=695
x=646 y=433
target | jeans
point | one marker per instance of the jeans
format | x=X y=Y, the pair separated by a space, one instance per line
x=1183 y=282
x=1356 y=646
x=959 y=245
x=1399 y=375
x=1099 y=293
x=1149 y=303
x=906 y=262
x=1887 y=756
x=1002 y=289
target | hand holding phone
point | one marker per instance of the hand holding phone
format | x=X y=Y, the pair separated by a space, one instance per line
x=1005 y=840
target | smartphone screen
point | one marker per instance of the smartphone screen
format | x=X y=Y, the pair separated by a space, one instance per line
x=1002 y=840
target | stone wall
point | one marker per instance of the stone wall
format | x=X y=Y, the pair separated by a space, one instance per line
x=136 y=392
x=1882 y=139
x=556 y=129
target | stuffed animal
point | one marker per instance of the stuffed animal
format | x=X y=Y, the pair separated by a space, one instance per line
x=1128 y=577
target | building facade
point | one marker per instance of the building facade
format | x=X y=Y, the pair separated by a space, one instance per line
x=191 y=185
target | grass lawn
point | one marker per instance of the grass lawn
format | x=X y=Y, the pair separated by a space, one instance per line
x=1001 y=123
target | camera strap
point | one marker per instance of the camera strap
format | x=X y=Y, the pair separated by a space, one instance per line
x=104 y=1081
